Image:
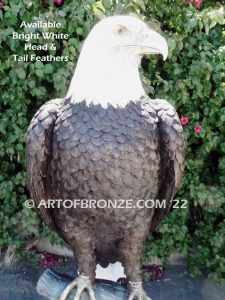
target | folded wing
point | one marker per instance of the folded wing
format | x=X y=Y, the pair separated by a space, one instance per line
x=171 y=146
x=39 y=155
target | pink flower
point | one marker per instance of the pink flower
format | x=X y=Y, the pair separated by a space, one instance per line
x=57 y=2
x=184 y=120
x=197 y=3
x=198 y=128
x=48 y=259
x=155 y=272
x=1 y=4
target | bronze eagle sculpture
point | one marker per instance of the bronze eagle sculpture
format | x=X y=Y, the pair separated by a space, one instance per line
x=107 y=140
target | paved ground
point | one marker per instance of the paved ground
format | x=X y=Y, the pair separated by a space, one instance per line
x=19 y=283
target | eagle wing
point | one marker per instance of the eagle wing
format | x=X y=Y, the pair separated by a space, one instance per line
x=171 y=147
x=38 y=155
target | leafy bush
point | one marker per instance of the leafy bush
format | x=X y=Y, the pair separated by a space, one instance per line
x=192 y=79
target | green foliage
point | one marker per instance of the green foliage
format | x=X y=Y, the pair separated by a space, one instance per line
x=192 y=79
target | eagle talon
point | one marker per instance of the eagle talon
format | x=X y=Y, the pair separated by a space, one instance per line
x=82 y=283
x=137 y=292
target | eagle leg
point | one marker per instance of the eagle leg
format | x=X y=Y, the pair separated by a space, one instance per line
x=82 y=283
x=136 y=291
x=131 y=260
x=83 y=244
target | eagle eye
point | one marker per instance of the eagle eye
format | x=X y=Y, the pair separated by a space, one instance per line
x=121 y=30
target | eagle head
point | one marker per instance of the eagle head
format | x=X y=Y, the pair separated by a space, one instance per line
x=107 y=69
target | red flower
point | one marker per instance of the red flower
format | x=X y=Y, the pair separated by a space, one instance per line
x=1 y=4
x=57 y=2
x=197 y=3
x=184 y=120
x=198 y=128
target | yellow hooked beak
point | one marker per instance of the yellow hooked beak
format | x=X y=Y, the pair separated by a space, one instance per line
x=153 y=43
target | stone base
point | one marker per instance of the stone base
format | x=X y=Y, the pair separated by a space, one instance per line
x=51 y=285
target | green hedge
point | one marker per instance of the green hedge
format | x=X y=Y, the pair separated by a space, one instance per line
x=193 y=79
